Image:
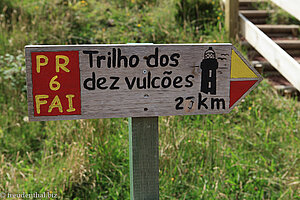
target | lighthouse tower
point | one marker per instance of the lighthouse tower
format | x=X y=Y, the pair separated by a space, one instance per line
x=209 y=66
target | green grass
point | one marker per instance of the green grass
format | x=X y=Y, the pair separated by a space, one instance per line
x=82 y=22
x=250 y=153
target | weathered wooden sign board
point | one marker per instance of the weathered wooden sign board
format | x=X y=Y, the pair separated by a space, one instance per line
x=108 y=81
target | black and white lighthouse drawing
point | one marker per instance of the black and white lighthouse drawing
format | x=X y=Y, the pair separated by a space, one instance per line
x=209 y=66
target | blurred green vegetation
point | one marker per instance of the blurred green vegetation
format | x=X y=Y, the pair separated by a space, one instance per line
x=84 y=22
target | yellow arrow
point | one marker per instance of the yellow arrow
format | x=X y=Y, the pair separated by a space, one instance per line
x=239 y=69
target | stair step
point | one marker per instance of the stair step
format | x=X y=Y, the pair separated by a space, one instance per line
x=266 y=66
x=258 y=20
x=283 y=86
x=256 y=13
x=262 y=60
x=288 y=44
x=250 y=4
x=272 y=28
x=278 y=36
x=284 y=89
x=292 y=52
x=287 y=90
x=243 y=2
x=284 y=44
x=279 y=80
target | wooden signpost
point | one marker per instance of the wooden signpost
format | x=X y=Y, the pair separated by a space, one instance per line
x=139 y=81
x=109 y=81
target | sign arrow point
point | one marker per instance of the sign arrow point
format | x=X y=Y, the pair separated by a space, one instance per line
x=243 y=78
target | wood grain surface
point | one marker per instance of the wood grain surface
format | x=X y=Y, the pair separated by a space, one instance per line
x=144 y=158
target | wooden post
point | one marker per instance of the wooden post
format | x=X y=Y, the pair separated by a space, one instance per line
x=231 y=17
x=143 y=158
